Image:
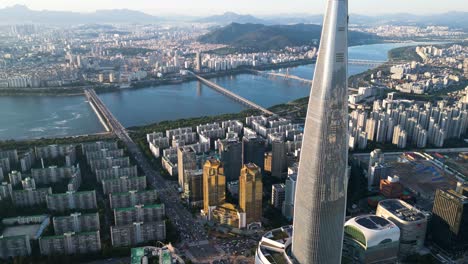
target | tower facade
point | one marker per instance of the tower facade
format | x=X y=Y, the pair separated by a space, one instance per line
x=214 y=185
x=319 y=211
x=251 y=192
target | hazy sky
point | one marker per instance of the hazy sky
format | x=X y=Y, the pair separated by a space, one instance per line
x=259 y=7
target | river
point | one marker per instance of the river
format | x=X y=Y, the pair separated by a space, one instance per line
x=26 y=117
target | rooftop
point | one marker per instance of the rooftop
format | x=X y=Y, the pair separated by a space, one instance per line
x=373 y=222
x=137 y=206
x=402 y=210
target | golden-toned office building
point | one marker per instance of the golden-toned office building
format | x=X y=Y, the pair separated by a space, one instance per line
x=227 y=214
x=250 y=193
x=214 y=185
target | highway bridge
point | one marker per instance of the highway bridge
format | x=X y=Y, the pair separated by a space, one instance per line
x=232 y=95
x=293 y=77
x=167 y=191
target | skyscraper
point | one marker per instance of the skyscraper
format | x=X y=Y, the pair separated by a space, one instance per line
x=230 y=152
x=214 y=185
x=186 y=160
x=321 y=190
x=254 y=150
x=450 y=220
x=251 y=192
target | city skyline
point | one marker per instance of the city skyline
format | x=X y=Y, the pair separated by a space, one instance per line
x=209 y=7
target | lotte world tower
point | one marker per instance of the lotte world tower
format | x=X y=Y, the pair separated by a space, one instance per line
x=316 y=236
x=321 y=189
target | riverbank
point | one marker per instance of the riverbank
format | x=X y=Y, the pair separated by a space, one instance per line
x=78 y=91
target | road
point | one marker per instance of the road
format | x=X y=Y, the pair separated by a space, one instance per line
x=188 y=227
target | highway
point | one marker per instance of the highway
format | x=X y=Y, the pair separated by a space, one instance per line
x=189 y=228
x=232 y=95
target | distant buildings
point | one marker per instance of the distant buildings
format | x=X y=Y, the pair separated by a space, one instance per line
x=251 y=193
x=370 y=239
x=406 y=123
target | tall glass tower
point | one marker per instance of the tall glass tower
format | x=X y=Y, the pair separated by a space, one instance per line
x=320 y=201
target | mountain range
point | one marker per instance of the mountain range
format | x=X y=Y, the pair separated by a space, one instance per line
x=23 y=15
x=20 y=14
x=263 y=37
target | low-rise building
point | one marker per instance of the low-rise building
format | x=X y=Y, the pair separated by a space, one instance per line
x=412 y=224
x=370 y=239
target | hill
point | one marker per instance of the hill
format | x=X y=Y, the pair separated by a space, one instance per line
x=261 y=37
x=19 y=14
x=231 y=17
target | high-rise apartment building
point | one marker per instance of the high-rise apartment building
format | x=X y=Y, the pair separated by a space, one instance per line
x=14 y=246
x=30 y=197
x=71 y=200
x=214 y=186
x=116 y=172
x=76 y=222
x=250 y=193
x=137 y=233
x=132 y=198
x=139 y=213
x=124 y=184
x=70 y=243
x=319 y=211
